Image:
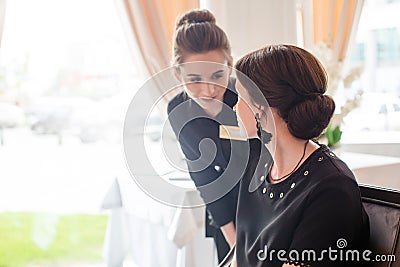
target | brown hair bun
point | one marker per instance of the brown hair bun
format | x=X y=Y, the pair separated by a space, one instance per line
x=196 y=32
x=293 y=81
x=195 y=16
x=309 y=118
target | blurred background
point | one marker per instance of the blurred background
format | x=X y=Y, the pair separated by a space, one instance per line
x=70 y=68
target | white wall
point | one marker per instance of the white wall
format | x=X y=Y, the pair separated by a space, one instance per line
x=253 y=24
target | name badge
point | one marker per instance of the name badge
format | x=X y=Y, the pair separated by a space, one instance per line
x=231 y=132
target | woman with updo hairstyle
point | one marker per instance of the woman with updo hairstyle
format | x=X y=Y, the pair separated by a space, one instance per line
x=306 y=201
x=203 y=61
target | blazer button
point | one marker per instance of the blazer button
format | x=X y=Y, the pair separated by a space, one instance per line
x=271 y=195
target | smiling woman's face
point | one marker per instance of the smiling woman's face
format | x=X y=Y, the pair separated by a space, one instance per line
x=206 y=77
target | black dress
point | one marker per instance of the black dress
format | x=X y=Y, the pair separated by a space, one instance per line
x=317 y=208
x=192 y=125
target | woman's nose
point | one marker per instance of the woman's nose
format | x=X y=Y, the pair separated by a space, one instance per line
x=208 y=89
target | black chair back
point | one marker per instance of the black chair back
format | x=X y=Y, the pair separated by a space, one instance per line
x=383 y=208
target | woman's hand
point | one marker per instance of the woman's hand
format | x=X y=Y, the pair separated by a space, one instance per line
x=234 y=263
x=229 y=232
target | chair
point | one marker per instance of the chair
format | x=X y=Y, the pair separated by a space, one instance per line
x=383 y=208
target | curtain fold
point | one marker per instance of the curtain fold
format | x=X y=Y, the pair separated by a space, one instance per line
x=334 y=22
x=329 y=28
x=151 y=24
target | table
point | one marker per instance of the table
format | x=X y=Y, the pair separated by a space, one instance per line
x=374 y=170
x=152 y=233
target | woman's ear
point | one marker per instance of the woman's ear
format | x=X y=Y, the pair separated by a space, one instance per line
x=263 y=109
x=266 y=111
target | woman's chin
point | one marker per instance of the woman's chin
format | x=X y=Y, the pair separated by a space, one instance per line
x=209 y=102
x=212 y=106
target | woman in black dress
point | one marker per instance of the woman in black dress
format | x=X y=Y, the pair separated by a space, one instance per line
x=197 y=113
x=299 y=204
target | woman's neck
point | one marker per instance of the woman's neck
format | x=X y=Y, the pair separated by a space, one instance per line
x=289 y=154
x=213 y=113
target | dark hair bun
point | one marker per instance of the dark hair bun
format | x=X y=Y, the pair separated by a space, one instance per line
x=308 y=119
x=196 y=16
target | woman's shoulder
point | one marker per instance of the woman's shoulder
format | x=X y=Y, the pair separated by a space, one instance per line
x=330 y=171
x=230 y=96
x=176 y=100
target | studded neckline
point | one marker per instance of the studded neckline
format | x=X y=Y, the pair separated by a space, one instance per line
x=278 y=190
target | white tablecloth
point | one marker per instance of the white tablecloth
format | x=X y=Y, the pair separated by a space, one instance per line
x=154 y=234
x=375 y=170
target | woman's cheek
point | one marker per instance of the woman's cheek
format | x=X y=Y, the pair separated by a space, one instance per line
x=192 y=91
x=247 y=120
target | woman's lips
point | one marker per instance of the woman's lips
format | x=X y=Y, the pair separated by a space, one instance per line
x=208 y=99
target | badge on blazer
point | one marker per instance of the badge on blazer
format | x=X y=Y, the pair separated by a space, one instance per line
x=231 y=132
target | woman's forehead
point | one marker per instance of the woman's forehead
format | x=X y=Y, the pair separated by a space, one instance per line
x=216 y=56
x=203 y=68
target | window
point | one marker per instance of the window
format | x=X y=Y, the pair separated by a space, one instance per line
x=70 y=75
x=66 y=76
x=388 y=45
x=359 y=53
x=383 y=109
x=372 y=128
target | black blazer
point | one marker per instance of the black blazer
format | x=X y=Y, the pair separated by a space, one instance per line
x=192 y=125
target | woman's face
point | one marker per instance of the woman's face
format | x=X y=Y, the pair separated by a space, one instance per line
x=206 y=77
x=246 y=112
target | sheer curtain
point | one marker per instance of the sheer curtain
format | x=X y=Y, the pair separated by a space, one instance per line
x=150 y=26
x=329 y=29
x=333 y=22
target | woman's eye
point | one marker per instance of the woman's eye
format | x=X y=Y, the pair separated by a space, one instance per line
x=217 y=76
x=195 y=80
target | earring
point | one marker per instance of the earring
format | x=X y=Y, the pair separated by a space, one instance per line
x=264 y=136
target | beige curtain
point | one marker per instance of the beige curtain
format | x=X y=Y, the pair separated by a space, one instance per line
x=333 y=22
x=152 y=23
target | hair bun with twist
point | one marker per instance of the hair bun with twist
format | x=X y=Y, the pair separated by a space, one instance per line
x=308 y=119
x=196 y=16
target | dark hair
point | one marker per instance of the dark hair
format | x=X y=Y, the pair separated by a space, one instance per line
x=293 y=81
x=196 y=32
